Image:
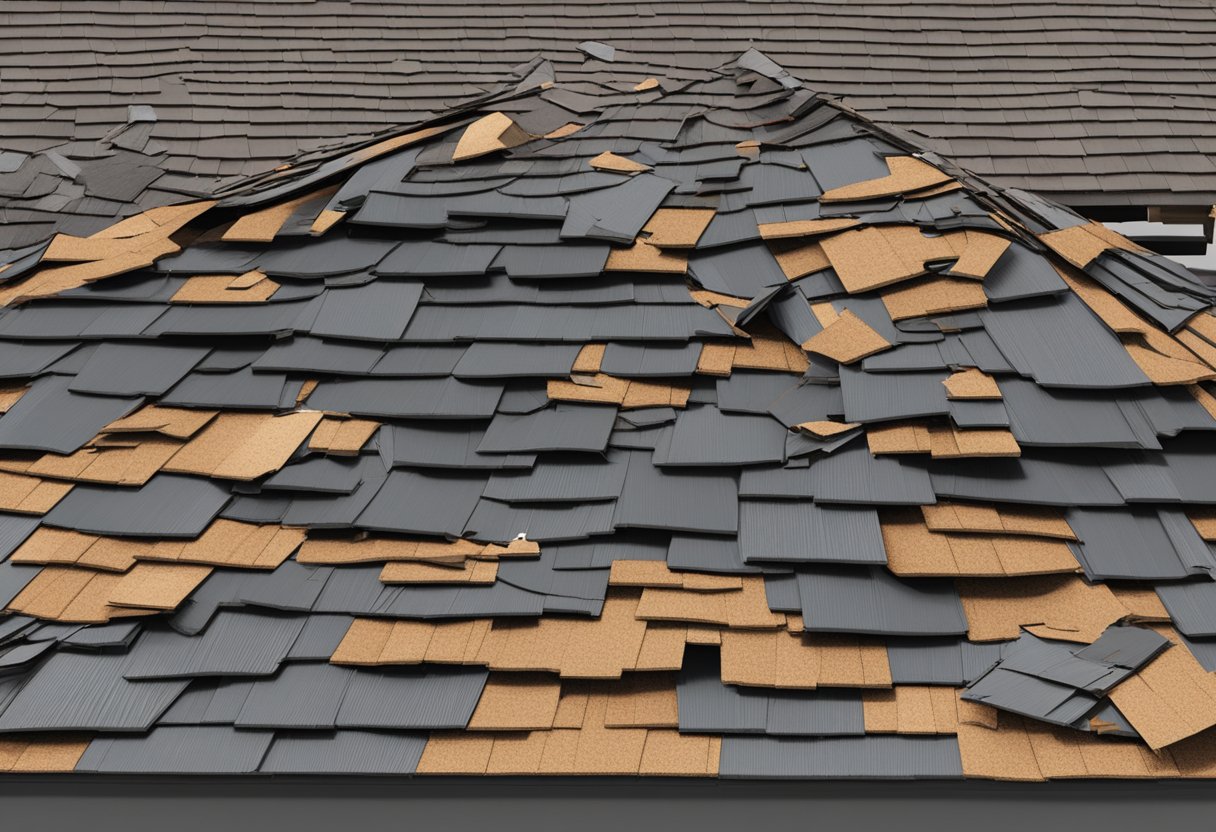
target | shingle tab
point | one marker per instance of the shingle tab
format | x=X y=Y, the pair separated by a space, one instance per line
x=575 y=477
x=435 y=502
x=179 y=750
x=870 y=757
x=235 y=643
x=706 y=436
x=939 y=661
x=168 y=505
x=799 y=532
x=851 y=599
x=1058 y=342
x=561 y=427
x=704 y=500
x=302 y=695
x=410 y=699
x=135 y=369
x=378 y=311
x=50 y=417
x=417 y=398
x=351 y=752
x=1139 y=543
x=85 y=691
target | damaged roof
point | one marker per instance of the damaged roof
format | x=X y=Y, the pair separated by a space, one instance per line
x=696 y=428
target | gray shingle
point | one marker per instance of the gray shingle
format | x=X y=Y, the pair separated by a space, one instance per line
x=210 y=749
x=878 y=397
x=562 y=478
x=414 y=502
x=318 y=510
x=447 y=444
x=743 y=271
x=517 y=361
x=349 y=752
x=115 y=635
x=302 y=695
x=703 y=553
x=135 y=369
x=1021 y=273
x=235 y=319
x=617 y=213
x=1059 y=479
x=415 y=398
x=802 y=532
x=1139 y=543
x=577 y=324
x=31 y=358
x=88 y=691
x=50 y=417
x=168 y=505
x=235 y=643
x=1070 y=418
x=562 y=427
x=852 y=599
x=1059 y=342
x=645 y=360
x=242 y=389
x=706 y=436
x=701 y=500
x=1192 y=606
x=850 y=475
x=752 y=392
x=497 y=600
x=419 y=360
x=326 y=475
x=411 y=699
x=542 y=576
x=215 y=701
x=320 y=637
x=571 y=259
x=869 y=757
x=14 y=529
x=1031 y=696
x=379 y=311
x=332 y=254
x=597 y=554
x=429 y=258
x=304 y=354
x=939 y=661
x=499 y=522
x=86 y=321
x=291 y=586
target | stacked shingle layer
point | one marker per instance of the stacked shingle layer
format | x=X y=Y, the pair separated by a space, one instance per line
x=694 y=428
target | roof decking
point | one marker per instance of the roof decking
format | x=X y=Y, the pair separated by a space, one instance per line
x=695 y=429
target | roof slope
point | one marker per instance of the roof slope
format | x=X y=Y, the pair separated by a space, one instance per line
x=1049 y=96
x=691 y=429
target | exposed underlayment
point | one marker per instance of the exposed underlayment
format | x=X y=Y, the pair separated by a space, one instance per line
x=693 y=428
x=1110 y=108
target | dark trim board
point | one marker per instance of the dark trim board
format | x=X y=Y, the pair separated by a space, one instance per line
x=100 y=803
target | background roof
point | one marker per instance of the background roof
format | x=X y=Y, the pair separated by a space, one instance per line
x=1085 y=107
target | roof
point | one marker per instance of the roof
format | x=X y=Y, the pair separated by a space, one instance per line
x=1091 y=109
x=696 y=429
